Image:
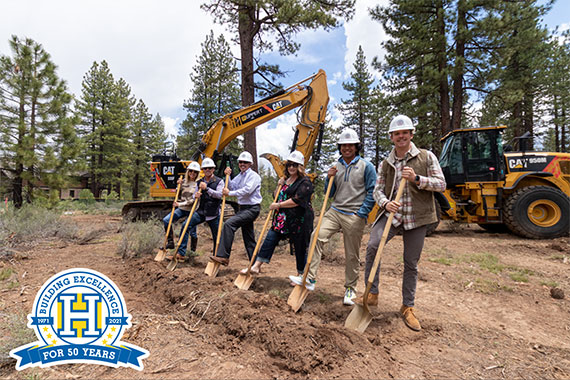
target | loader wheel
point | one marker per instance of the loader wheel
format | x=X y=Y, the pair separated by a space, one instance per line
x=538 y=212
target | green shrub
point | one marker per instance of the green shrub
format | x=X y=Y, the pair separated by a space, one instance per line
x=87 y=196
x=32 y=222
x=141 y=238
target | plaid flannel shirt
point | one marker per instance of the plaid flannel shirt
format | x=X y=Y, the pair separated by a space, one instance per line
x=434 y=181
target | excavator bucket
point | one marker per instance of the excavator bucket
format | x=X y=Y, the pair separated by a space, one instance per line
x=212 y=269
x=244 y=280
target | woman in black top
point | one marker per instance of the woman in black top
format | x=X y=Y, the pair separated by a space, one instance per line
x=293 y=218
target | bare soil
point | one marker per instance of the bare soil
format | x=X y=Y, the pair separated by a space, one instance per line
x=483 y=299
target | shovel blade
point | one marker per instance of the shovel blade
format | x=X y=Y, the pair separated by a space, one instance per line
x=243 y=281
x=160 y=255
x=297 y=297
x=172 y=265
x=359 y=318
x=212 y=269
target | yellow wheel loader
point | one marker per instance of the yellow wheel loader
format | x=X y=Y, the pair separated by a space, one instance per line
x=526 y=192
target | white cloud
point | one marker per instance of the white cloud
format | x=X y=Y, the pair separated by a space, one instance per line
x=152 y=45
x=170 y=126
x=365 y=32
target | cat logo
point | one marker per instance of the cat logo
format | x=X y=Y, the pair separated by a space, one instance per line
x=168 y=170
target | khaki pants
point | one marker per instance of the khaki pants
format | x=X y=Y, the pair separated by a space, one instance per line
x=352 y=227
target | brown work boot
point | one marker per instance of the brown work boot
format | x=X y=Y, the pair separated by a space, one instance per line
x=222 y=260
x=372 y=299
x=409 y=318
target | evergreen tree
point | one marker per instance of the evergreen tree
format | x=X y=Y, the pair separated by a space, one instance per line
x=105 y=110
x=357 y=109
x=380 y=118
x=215 y=92
x=38 y=140
x=519 y=68
x=255 y=22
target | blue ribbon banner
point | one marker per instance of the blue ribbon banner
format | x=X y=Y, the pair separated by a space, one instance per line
x=125 y=355
x=39 y=321
x=116 y=321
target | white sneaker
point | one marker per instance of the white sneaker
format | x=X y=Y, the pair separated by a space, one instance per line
x=298 y=280
x=349 y=295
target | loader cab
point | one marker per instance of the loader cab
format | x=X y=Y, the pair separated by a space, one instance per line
x=473 y=155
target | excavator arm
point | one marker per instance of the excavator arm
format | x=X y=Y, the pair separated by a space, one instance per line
x=310 y=96
x=312 y=99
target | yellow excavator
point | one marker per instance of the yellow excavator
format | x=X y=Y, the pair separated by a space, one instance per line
x=524 y=192
x=309 y=95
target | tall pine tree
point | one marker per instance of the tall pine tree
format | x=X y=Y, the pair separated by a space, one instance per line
x=38 y=140
x=215 y=92
x=357 y=109
x=255 y=22
x=105 y=110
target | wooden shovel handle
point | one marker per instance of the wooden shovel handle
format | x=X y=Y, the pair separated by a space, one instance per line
x=221 y=215
x=316 y=231
x=171 y=212
x=263 y=231
x=187 y=223
x=384 y=238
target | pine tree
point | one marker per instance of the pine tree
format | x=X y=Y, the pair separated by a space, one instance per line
x=36 y=125
x=357 y=110
x=255 y=22
x=519 y=69
x=215 y=92
x=105 y=110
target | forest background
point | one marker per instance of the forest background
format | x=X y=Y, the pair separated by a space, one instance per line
x=447 y=64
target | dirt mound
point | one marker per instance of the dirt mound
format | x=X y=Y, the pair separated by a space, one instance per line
x=252 y=322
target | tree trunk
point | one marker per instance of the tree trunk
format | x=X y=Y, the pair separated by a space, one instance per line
x=247 y=31
x=528 y=122
x=442 y=69
x=458 y=72
x=556 y=128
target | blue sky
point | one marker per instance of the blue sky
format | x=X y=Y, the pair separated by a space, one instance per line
x=153 y=45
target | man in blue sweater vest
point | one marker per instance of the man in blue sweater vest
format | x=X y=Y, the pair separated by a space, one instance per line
x=354 y=179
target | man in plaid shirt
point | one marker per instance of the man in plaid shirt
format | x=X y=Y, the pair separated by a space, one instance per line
x=412 y=215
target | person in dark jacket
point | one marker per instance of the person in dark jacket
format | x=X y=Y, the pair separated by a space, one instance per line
x=293 y=218
x=209 y=207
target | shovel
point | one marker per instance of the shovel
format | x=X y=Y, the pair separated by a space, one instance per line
x=172 y=265
x=161 y=254
x=300 y=292
x=360 y=317
x=213 y=267
x=244 y=280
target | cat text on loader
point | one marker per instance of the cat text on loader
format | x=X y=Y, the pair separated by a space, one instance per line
x=310 y=98
x=525 y=192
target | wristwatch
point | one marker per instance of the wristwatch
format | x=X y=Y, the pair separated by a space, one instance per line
x=417 y=179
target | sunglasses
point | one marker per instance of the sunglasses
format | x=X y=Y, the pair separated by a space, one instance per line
x=293 y=164
x=193 y=171
x=243 y=162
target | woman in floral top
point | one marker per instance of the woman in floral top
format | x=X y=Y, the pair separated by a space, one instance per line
x=293 y=217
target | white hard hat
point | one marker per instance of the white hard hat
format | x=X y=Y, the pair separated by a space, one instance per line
x=401 y=122
x=245 y=156
x=296 y=157
x=194 y=166
x=208 y=163
x=348 y=136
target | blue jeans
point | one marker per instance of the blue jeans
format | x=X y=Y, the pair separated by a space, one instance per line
x=272 y=239
x=198 y=219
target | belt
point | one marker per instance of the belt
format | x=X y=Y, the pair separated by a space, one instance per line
x=245 y=207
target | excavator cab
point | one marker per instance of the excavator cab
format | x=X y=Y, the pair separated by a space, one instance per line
x=473 y=155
